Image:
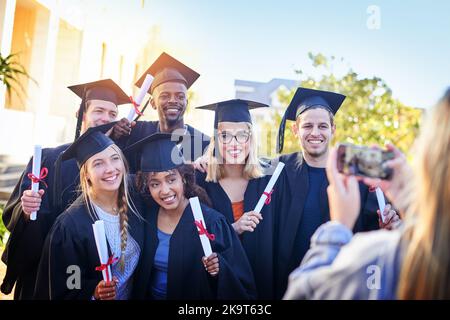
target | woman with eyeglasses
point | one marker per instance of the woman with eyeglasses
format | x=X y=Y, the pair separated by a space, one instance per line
x=234 y=180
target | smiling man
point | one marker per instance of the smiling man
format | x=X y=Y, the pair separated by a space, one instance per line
x=313 y=112
x=99 y=105
x=169 y=98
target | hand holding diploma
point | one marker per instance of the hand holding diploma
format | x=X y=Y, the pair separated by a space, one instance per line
x=31 y=199
x=211 y=264
x=121 y=129
x=247 y=222
x=106 y=290
x=388 y=218
x=31 y=202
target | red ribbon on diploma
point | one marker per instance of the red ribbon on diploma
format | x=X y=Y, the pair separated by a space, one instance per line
x=42 y=176
x=269 y=197
x=202 y=230
x=136 y=106
x=372 y=189
x=104 y=266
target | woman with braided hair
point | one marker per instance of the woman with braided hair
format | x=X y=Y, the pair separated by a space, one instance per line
x=69 y=267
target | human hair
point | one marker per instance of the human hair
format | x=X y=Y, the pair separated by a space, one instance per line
x=216 y=171
x=425 y=272
x=124 y=202
x=190 y=187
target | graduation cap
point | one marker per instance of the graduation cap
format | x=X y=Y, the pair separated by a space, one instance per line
x=235 y=110
x=168 y=69
x=106 y=90
x=88 y=144
x=159 y=152
x=305 y=99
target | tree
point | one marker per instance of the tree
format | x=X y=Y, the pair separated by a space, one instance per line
x=369 y=114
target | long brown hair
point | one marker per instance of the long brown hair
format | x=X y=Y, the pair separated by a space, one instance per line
x=124 y=201
x=425 y=271
x=190 y=187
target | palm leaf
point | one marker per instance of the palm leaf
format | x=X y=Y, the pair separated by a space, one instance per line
x=10 y=72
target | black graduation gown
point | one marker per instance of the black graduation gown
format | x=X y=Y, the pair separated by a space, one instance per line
x=187 y=279
x=71 y=242
x=297 y=178
x=259 y=245
x=192 y=149
x=24 y=247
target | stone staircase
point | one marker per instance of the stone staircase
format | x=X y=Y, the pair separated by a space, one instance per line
x=10 y=173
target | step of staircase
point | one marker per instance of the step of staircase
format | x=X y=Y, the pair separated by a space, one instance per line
x=5 y=193
x=9 y=179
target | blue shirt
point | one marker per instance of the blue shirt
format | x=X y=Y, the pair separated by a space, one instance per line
x=160 y=267
x=311 y=217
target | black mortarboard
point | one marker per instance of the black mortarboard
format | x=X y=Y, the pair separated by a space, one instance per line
x=106 y=90
x=235 y=110
x=305 y=99
x=168 y=69
x=88 y=144
x=158 y=152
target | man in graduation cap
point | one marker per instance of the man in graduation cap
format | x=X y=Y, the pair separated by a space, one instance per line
x=313 y=112
x=168 y=93
x=99 y=103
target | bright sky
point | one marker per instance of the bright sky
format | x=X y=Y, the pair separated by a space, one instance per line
x=261 y=40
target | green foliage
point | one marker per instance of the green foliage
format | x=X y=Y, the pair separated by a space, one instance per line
x=3 y=230
x=10 y=72
x=369 y=115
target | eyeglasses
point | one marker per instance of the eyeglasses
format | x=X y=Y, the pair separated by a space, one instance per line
x=241 y=137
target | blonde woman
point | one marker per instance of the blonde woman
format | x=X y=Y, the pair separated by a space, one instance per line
x=410 y=263
x=234 y=181
x=69 y=267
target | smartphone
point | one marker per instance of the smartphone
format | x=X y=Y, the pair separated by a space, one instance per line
x=364 y=161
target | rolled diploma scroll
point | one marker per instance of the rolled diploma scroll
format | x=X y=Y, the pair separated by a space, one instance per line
x=145 y=86
x=102 y=248
x=198 y=216
x=381 y=202
x=36 y=171
x=269 y=187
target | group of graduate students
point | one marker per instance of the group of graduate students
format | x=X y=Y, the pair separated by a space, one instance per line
x=137 y=177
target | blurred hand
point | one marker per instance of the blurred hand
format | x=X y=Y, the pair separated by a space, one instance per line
x=343 y=194
x=391 y=218
x=402 y=173
x=31 y=201
x=201 y=164
x=211 y=264
x=106 y=290
x=247 y=222
x=122 y=128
